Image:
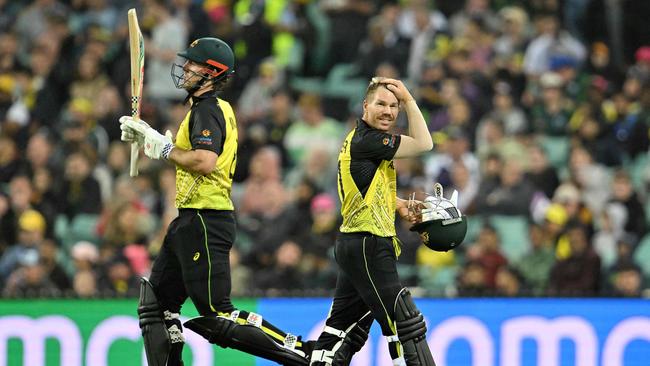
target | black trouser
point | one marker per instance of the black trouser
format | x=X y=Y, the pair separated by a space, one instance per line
x=194 y=261
x=367 y=280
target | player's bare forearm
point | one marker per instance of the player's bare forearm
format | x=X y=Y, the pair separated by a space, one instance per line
x=418 y=139
x=198 y=161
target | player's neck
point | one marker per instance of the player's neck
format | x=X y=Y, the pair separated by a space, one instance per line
x=202 y=90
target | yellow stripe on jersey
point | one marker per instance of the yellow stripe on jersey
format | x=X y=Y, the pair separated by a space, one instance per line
x=210 y=191
x=374 y=213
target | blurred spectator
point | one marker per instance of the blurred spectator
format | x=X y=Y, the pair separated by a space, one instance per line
x=90 y=78
x=255 y=102
x=551 y=40
x=426 y=25
x=9 y=159
x=8 y=222
x=455 y=148
x=284 y=274
x=590 y=177
x=540 y=173
x=320 y=239
x=510 y=46
x=535 y=266
x=508 y=282
x=117 y=278
x=85 y=256
x=466 y=185
x=504 y=109
x=473 y=9
x=550 y=116
x=381 y=45
x=510 y=196
x=630 y=131
x=611 y=224
x=627 y=281
x=472 y=281
x=50 y=259
x=30 y=279
x=240 y=275
x=487 y=252
x=579 y=274
x=80 y=192
x=168 y=34
x=624 y=193
x=312 y=129
x=348 y=19
x=31 y=233
x=125 y=223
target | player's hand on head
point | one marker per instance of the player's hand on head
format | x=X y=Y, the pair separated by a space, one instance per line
x=397 y=87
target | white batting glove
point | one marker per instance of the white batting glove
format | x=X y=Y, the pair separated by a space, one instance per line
x=156 y=146
x=129 y=134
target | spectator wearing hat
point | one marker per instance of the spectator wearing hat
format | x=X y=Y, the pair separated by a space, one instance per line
x=551 y=113
x=31 y=233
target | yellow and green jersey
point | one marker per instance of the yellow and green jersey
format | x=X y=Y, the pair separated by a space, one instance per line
x=211 y=125
x=367 y=181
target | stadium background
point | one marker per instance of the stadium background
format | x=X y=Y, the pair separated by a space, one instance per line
x=539 y=111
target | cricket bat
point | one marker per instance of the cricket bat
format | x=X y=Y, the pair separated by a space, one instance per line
x=136 y=47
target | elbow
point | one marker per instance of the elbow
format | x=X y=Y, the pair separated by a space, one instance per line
x=205 y=167
x=428 y=146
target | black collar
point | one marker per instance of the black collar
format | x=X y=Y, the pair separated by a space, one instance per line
x=206 y=95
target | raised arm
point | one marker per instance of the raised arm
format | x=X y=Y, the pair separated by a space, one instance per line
x=418 y=139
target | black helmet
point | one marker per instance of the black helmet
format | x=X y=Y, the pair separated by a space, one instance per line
x=443 y=227
x=212 y=52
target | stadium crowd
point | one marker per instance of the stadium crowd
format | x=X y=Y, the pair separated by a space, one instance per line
x=539 y=109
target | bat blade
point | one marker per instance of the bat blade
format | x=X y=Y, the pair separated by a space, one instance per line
x=136 y=48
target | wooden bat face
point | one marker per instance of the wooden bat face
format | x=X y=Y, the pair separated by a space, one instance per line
x=136 y=43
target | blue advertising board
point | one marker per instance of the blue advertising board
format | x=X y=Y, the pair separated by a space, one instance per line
x=501 y=332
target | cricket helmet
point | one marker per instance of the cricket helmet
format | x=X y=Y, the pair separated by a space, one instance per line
x=212 y=52
x=443 y=226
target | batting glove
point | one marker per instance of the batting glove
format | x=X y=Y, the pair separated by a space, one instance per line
x=156 y=145
x=129 y=134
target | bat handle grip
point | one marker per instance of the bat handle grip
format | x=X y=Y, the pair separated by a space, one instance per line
x=133 y=169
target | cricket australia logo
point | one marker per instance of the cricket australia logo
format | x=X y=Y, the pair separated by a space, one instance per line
x=194 y=43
